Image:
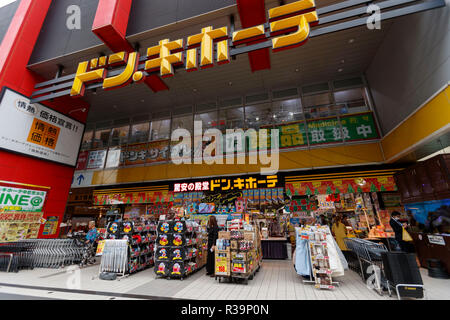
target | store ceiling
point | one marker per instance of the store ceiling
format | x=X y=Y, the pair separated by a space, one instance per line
x=322 y=58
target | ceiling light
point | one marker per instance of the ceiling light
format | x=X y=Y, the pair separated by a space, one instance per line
x=342 y=61
x=257 y=119
x=351 y=40
x=230 y=83
x=340 y=70
x=297 y=70
x=195 y=90
x=291 y=114
x=274 y=116
x=142 y=100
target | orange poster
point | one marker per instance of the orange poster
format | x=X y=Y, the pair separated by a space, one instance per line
x=43 y=134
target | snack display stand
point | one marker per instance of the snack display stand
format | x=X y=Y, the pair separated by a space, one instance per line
x=238 y=253
x=180 y=249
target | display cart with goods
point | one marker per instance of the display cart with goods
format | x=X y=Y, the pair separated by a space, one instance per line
x=238 y=252
x=129 y=247
x=180 y=249
x=318 y=257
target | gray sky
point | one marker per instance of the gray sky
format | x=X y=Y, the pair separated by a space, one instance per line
x=5 y=2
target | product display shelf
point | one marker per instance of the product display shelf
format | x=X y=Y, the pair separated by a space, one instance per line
x=178 y=248
x=140 y=239
x=238 y=257
x=141 y=252
x=318 y=256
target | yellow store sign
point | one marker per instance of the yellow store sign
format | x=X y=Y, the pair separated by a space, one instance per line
x=289 y=26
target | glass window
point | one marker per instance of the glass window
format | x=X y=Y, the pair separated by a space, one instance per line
x=316 y=100
x=183 y=122
x=119 y=136
x=287 y=111
x=140 y=132
x=259 y=115
x=317 y=105
x=87 y=140
x=351 y=100
x=348 y=95
x=102 y=138
x=160 y=129
x=208 y=119
x=232 y=118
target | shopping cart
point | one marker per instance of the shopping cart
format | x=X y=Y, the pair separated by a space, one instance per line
x=42 y=253
x=369 y=255
x=15 y=256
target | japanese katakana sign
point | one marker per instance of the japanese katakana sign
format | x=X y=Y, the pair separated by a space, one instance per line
x=152 y=152
x=289 y=27
x=38 y=131
x=227 y=184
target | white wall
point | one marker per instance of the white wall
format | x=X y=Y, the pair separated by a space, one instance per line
x=412 y=64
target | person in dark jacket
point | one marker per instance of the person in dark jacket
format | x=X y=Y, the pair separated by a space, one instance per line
x=213 y=234
x=397 y=227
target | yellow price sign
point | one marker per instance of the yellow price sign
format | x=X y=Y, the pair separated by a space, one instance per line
x=100 y=247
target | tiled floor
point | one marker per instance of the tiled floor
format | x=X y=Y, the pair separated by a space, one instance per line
x=276 y=280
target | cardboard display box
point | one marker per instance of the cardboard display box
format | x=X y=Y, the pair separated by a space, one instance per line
x=248 y=235
x=224 y=235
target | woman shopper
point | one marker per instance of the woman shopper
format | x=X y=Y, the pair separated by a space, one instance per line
x=213 y=234
x=339 y=231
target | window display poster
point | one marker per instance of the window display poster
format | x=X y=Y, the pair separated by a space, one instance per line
x=113 y=158
x=82 y=160
x=51 y=226
x=96 y=159
x=38 y=131
x=16 y=226
x=323 y=203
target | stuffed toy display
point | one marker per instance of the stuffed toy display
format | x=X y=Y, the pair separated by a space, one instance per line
x=177 y=269
x=164 y=227
x=114 y=230
x=178 y=254
x=127 y=227
x=162 y=268
x=162 y=254
x=164 y=240
x=178 y=240
x=179 y=227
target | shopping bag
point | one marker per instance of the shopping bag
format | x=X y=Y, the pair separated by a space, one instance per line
x=405 y=236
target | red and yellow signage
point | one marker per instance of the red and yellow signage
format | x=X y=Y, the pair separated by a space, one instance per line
x=289 y=26
x=353 y=185
x=137 y=197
